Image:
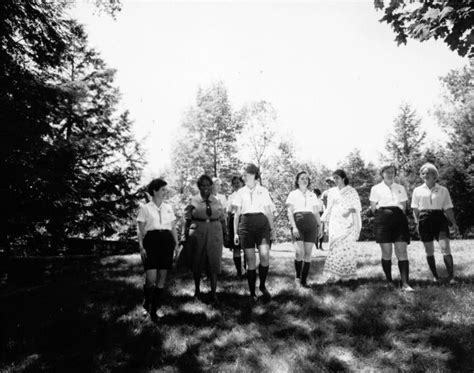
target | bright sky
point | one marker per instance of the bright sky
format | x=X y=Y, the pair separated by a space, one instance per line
x=332 y=71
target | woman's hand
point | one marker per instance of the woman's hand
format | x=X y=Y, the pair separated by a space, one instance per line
x=273 y=235
x=296 y=233
x=236 y=239
x=320 y=232
x=143 y=254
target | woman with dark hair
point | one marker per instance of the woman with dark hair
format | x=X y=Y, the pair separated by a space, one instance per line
x=433 y=213
x=253 y=226
x=388 y=200
x=343 y=217
x=157 y=239
x=237 y=182
x=205 y=231
x=303 y=215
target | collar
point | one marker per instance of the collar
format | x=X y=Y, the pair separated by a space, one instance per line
x=211 y=198
x=434 y=189
x=152 y=204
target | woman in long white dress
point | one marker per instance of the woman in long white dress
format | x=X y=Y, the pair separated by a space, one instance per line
x=343 y=218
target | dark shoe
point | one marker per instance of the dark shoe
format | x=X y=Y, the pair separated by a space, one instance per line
x=265 y=294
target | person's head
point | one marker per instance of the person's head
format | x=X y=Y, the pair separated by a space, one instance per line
x=251 y=173
x=237 y=182
x=429 y=173
x=204 y=183
x=302 y=179
x=216 y=185
x=330 y=182
x=388 y=172
x=340 y=178
x=157 y=188
x=317 y=191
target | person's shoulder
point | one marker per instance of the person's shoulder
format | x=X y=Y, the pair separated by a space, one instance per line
x=292 y=193
x=418 y=188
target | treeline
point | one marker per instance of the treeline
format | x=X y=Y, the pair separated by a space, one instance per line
x=216 y=139
x=70 y=165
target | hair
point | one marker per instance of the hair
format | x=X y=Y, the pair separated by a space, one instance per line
x=386 y=167
x=202 y=178
x=298 y=177
x=429 y=166
x=250 y=168
x=317 y=191
x=342 y=174
x=237 y=177
x=156 y=184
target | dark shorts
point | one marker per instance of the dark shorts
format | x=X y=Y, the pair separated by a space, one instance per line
x=254 y=229
x=391 y=225
x=306 y=225
x=159 y=246
x=230 y=227
x=432 y=225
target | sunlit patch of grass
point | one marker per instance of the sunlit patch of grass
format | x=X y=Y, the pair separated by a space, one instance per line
x=357 y=326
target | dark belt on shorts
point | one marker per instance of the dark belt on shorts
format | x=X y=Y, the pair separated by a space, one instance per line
x=392 y=208
x=254 y=214
x=431 y=210
x=206 y=220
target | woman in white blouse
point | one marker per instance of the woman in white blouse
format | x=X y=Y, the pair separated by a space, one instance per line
x=253 y=227
x=157 y=239
x=433 y=212
x=303 y=214
x=388 y=200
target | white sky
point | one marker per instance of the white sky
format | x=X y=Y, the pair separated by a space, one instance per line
x=332 y=71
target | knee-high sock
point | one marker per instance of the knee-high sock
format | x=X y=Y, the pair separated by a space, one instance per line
x=448 y=261
x=304 y=272
x=252 y=279
x=432 y=264
x=148 y=292
x=238 y=264
x=262 y=274
x=298 y=264
x=387 y=269
x=404 y=267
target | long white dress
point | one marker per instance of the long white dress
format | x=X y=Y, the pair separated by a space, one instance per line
x=341 y=262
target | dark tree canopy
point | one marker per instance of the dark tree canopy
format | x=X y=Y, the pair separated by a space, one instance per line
x=449 y=20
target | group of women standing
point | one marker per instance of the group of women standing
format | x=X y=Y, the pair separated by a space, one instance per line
x=244 y=223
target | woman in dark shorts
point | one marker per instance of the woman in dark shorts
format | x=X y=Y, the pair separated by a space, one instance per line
x=388 y=200
x=433 y=212
x=205 y=230
x=253 y=227
x=237 y=182
x=303 y=215
x=157 y=239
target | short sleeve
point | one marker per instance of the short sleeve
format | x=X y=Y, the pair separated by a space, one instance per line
x=403 y=194
x=447 y=203
x=267 y=199
x=237 y=200
x=415 y=199
x=141 y=217
x=290 y=200
x=373 y=194
x=356 y=200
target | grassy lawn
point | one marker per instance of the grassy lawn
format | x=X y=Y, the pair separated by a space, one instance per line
x=92 y=321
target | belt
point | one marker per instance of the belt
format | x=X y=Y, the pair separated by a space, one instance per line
x=431 y=210
x=390 y=208
x=206 y=220
x=254 y=214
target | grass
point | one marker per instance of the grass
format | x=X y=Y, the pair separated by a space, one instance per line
x=93 y=321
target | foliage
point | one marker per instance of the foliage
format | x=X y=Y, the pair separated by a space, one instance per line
x=70 y=159
x=449 y=20
x=206 y=141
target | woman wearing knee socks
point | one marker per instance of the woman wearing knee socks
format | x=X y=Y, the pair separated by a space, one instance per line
x=253 y=227
x=303 y=215
x=433 y=212
x=388 y=200
x=157 y=239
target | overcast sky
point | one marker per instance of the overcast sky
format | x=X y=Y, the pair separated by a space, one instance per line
x=332 y=71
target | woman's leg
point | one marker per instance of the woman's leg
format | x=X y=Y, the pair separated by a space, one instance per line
x=251 y=270
x=237 y=261
x=430 y=258
x=213 y=280
x=448 y=258
x=403 y=264
x=387 y=260
x=308 y=249
x=149 y=288
x=299 y=255
x=264 y=255
x=197 y=284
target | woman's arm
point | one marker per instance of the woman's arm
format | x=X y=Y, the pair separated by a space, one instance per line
x=416 y=215
x=269 y=214
x=373 y=206
x=318 y=221
x=291 y=218
x=175 y=234
x=141 y=236
x=236 y=225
